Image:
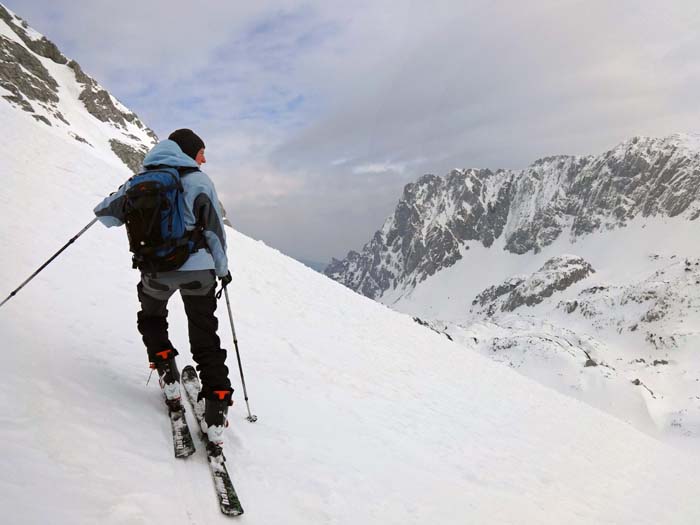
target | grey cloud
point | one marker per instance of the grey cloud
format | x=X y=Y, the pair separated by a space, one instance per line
x=505 y=89
x=282 y=92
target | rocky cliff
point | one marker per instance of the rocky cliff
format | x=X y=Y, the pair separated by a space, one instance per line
x=438 y=218
x=36 y=78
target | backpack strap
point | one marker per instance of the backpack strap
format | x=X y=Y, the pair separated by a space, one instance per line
x=197 y=238
x=182 y=170
x=186 y=171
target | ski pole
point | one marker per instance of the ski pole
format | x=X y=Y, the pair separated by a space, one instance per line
x=252 y=418
x=93 y=221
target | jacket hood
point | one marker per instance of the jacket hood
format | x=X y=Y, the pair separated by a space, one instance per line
x=168 y=153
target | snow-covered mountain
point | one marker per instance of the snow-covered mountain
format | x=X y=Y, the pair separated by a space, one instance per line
x=438 y=218
x=364 y=415
x=36 y=78
x=580 y=272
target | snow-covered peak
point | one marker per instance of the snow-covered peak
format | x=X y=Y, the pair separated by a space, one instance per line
x=439 y=218
x=688 y=142
x=37 y=80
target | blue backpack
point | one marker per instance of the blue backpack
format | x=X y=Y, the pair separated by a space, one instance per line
x=154 y=212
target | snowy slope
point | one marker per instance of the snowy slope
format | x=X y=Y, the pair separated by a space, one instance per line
x=638 y=315
x=365 y=417
x=580 y=272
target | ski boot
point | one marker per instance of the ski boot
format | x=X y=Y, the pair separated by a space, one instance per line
x=169 y=378
x=215 y=410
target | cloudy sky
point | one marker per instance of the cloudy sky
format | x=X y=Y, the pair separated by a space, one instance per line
x=316 y=114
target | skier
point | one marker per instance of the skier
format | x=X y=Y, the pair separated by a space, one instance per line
x=195 y=279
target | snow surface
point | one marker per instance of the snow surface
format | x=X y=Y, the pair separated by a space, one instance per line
x=547 y=344
x=364 y=416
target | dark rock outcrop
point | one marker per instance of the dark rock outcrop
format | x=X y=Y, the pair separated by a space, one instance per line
x=649 y=305
x=557 y=274
x=428 y=231
x=100 y=104
x=23 y=75
x=42 y=46
x=27 y=83
x=129 y=155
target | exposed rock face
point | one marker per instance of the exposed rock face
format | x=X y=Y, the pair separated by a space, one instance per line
x=438 y=217
x=667 y=293
x=428 y=230
x=29 y=64
x=80 y=139
x=129 y=155
x=488 y=300
x=23 y=74
x=25 y=77
x=557 y=274
x=41 y=46
x=101 y=104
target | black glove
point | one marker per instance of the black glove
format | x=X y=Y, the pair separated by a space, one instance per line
x=226 y=280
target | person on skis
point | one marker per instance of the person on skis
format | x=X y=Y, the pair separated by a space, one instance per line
x=195 y=279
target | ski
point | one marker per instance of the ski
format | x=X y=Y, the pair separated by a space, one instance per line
x=183 y=444
x=228 y=499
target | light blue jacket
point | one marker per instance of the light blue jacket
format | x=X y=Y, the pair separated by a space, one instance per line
x=201 y=207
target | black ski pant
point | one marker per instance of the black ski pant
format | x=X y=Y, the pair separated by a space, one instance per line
x=197 y=289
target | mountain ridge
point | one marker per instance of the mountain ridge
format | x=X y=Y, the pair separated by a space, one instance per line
x=42 y=82
x=437 y=217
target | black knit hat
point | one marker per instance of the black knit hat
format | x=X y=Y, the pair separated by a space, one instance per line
x=189 y=142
